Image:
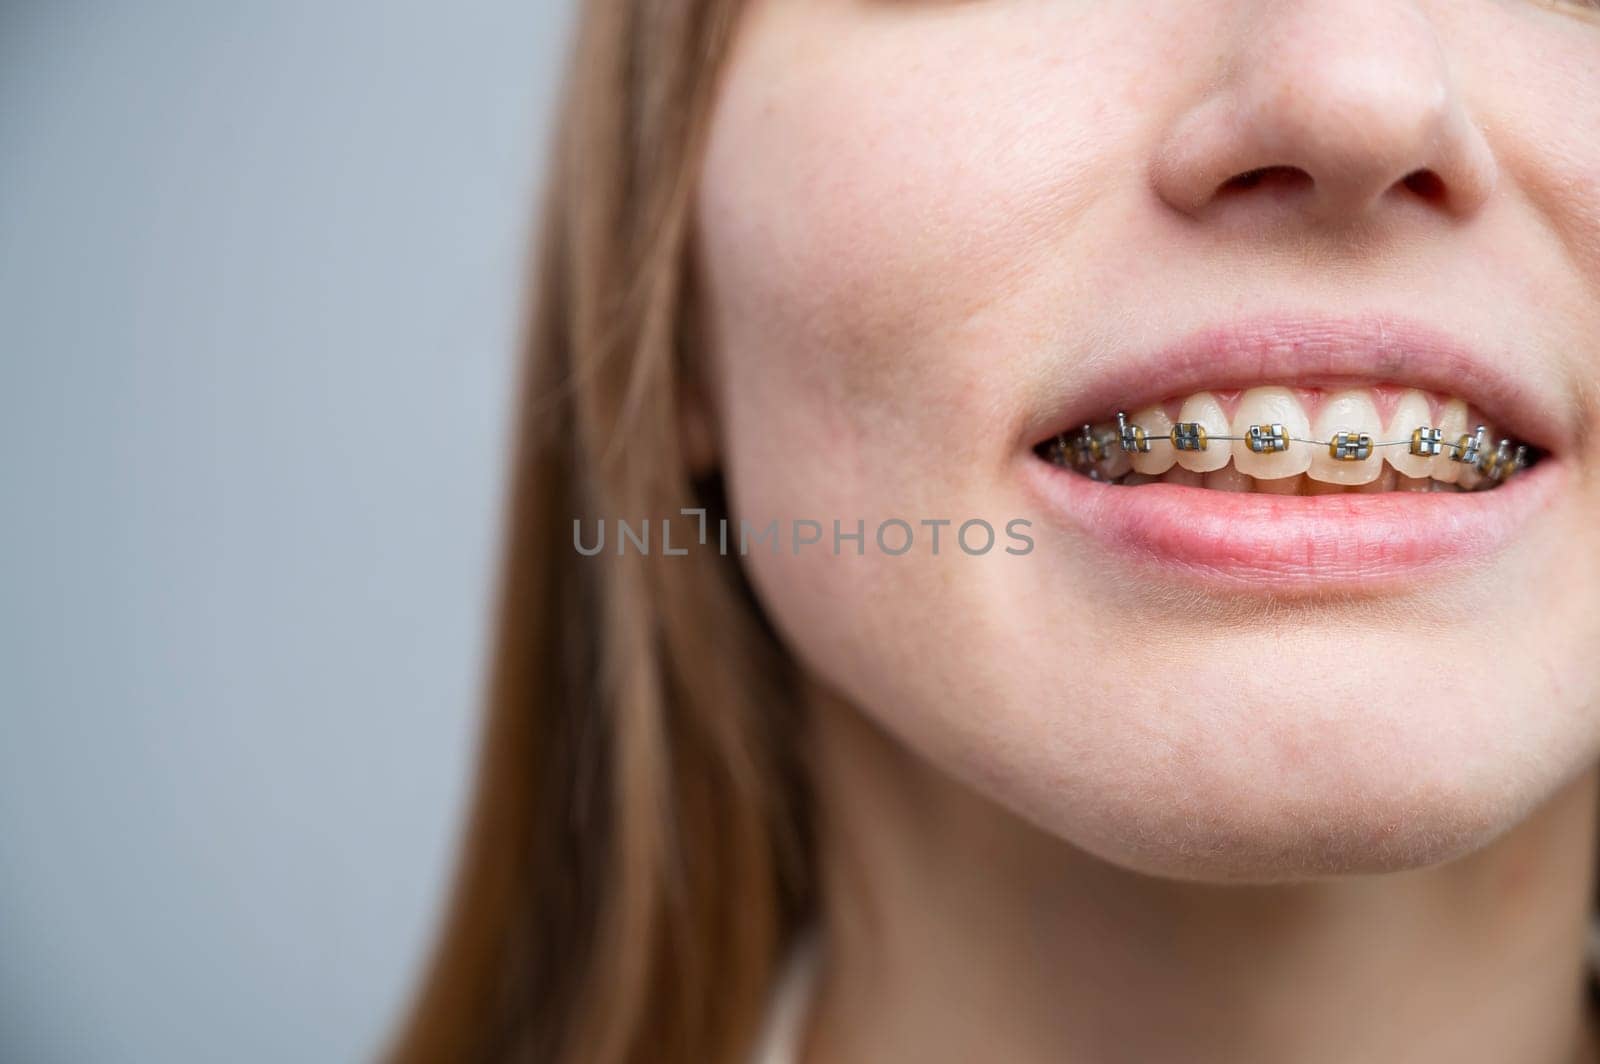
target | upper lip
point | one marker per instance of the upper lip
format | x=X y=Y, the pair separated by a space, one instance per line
x=1510 y=389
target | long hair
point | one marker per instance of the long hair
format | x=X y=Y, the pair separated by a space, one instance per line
x=638 y=853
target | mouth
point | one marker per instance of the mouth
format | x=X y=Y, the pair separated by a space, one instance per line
x=1287 y=454
x=1298 y=440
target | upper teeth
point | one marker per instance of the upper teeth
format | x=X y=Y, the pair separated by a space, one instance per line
x=1270 y=437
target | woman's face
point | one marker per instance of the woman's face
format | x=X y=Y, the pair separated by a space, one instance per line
x=936 y=234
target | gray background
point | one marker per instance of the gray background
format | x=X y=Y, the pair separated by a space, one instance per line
x=259 y=283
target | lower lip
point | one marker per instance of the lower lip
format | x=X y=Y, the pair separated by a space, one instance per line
x=1277 y=543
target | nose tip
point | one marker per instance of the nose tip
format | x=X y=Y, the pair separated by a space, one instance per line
x=1336 y=123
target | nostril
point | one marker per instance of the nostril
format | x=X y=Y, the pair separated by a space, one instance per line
x=1426 y=184
x=1423 y=183
x=1282 y=176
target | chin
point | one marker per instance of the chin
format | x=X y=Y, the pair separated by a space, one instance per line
x=1255 y=779
x=1249 y=833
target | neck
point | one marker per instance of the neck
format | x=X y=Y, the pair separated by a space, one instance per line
x=954 y=931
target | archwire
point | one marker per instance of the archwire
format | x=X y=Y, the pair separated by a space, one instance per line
x=1082 y=450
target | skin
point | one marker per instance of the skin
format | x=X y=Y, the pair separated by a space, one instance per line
x=1061 y=820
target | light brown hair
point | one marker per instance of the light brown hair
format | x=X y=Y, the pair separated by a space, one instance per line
x=638 y=853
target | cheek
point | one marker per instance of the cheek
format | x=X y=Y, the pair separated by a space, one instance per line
x=872 y=200
x=875 y=192
x=880 y=199
x=1543 y=156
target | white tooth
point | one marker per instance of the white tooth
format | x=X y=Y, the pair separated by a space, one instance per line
x=1491 y=449
x=1156 y=425
x=1204 y=408
x=1282 y=486
x=1187 y=477
x=1116 y=462
x=1385 y=481
x=1452 y=425
x=1264 y=406
x=1410 y=412
x=1471 y=478
x=1229 y=479
x=1348 y=411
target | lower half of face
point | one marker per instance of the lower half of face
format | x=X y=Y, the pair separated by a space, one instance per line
x=1166 y=519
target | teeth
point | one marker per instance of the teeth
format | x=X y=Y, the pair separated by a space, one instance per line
x=1229 y=479
x=1283 y=485
x=1385 y=481
x=1160 y=457
x=1452 y=425
x=1470 y=477
x=1352 y=412
x=1203 y=408
x=1267 y=406
x=1359 y=453
x=1507 y=458
x=1321 y=487
x=1411 y=411
x=1117 y=461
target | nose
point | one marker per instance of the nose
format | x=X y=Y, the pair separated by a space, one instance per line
x=1332 y=109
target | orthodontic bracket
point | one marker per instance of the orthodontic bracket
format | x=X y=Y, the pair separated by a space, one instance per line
x=1350 y=447
x=1469 y=448
x=1267 y=439
x=1504 y=461
x=1190 y=436
x=1087 y=448
x=1426 y=441
x=1133 y=437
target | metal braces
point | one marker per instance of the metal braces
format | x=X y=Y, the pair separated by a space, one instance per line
x=1267 y=439
x=1350 y=446
x=1089 y=447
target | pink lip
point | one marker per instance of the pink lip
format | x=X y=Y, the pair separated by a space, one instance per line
x=1278 y=543
x=1515 y=391
x=1274 y=543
